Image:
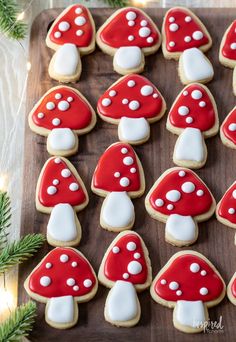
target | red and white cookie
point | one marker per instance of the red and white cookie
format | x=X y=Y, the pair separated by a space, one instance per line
x=125 y=268
x=118 y=177
x=61 y=280
x=72 y=34
x=180 y=199
x=228 y=130
x=128 y=35
x=190 y=284
x=193 y=116
x=62 y=114
x=132 y=103
x=231 y=289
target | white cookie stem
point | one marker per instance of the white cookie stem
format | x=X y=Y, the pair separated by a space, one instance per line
x=134 y=131
x=128 y=59
x=190 y=314
x=182 y=229
x=60 y=311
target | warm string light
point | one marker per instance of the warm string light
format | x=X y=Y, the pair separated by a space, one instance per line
x=4 y=182
x=6 y=302
x=20 y=16
x=28 y=66
x=139 y=3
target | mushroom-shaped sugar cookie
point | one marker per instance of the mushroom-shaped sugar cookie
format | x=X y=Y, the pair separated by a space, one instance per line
x=193 y=116
x=228 y=130
x=231 y=289
x=227 y=54
x=61 y=192
x=128 y=35
x=132 y=103
x=62 y=114
x=190 y=284
x=186 y=38
x=61 y=280
x=118 y=177
x=71 y=35
x=125 y=268
x=180 y=199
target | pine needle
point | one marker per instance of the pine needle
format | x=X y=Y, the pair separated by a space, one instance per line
x=117 y=3
x=19 y=323
x=5 y=216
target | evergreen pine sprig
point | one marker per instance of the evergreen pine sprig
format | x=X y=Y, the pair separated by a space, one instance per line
x=19 y=323
x=5 y=216
x=9 y=25
x=117 y=3
x=18 y=251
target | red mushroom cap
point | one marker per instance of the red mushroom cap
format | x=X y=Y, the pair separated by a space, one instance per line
x=227 y=206
x=183 y=30
x=228 y=128
x=74 y=25
x=132 y=96
x=62 y=107
x=194 y=107
x=180 y=191
x=233 y=286
x=118 y=169
x=188 y=276
x=228 y=49
x=63 y=272
x=58 y=183
x=129 y=27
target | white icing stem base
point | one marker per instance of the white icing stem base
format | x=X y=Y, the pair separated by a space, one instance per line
x=62 y=141
x=128 y=59
x=117 y=212
x=61 y=311
x=134 y=131
x=66 y=60
x=181 y=229
x=190 y=314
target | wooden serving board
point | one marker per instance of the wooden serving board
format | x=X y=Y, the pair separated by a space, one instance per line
x=215 y=240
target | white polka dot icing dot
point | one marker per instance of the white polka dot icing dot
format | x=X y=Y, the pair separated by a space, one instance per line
x=203 y=291
x=87 y=283
x=57 y=160
x=143 y=23
x=115 y=249
x=117 y=174
x=124 y=150
x=150 y=40
x=187 y=39
x=106 y=102
x=134 y=267
x=179 y=293
x=163 y=282
x=74 y=264
x=131 y=38
x=40 y=115
x=173 y=285
x=233 y=46
x=64 y=258
x=70 y=99
x=124 y=181
x=64 y=26
x=159 y=202
x=188 y=187
x=200 y=193
x=131 y=15
x=170 y=207
x=137 y=255
x=58 y=96
x=73 y=187
x=144 y=32
x=194 y=267
x=55 y=182
x=131 y=246
x=57 y=34
x=173 y=27
x=182 y=173
x=171 y=44
x=128 y=161
x=197 y=35
x=231 y=211
x=78 y=10
x=196 y=94
x=202 y=103
x=70 y=282
x=146 y=90
x=134 y=105
x=65 y=173
x=80 y=21
x=173 y=195
x=45 y=281
x=50 y=105
x=131 y=83
x=48 y=265
x=189 y=120
x=79 y=33
x=131 y=23
x=125 y=101
x=76 y=288
x=133 y=170
x=56 y=122
x=155 y=96
x=183 y=110
x=112 y=93
x=171 y=19
x=234 y=194
x=187 y=19
x=125 y=276
x=203 y=273
x=185 y=92
x=51 y=190
x=232 y=127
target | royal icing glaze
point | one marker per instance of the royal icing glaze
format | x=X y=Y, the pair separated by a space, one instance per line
x=182 y=31
x=227 y=205
x=128 y=57
x=62 y=107
x=190 y=313
x=181 y=228
x=56 y=186
x=133 y=96
x=61 y=309
x=70 y=274
x=233 y=288
x=66 y=60
x=181 y=192
x=229 y=48
x=117 y=170
x=131 y=129
x=189 y=146
x=61 y=139
x=74 y=26
x=189 y=278
x=130 y=27
x=126 y=261
x=193 y=108
x=229 y=126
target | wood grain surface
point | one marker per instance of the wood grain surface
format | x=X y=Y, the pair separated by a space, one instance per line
x=215 y=240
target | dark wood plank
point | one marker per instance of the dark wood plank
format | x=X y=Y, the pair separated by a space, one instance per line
x=215 y=240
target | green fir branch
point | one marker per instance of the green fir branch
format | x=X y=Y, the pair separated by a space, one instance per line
x=18 y=251
x=19 y=323
x=5 y=216
x=117 y=3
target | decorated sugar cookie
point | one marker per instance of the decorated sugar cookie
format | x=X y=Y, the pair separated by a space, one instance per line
x=189 y=284
x=180 y=199
x=118 y=177
x=228 y=130
x=61 y=280
x=62 y=114
x=125 y=268
x=61 y=192
x=231 y=289
x=72 y=35
x=132 y=103
x=193 y=116
x=186 y=38
x=128 y=35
